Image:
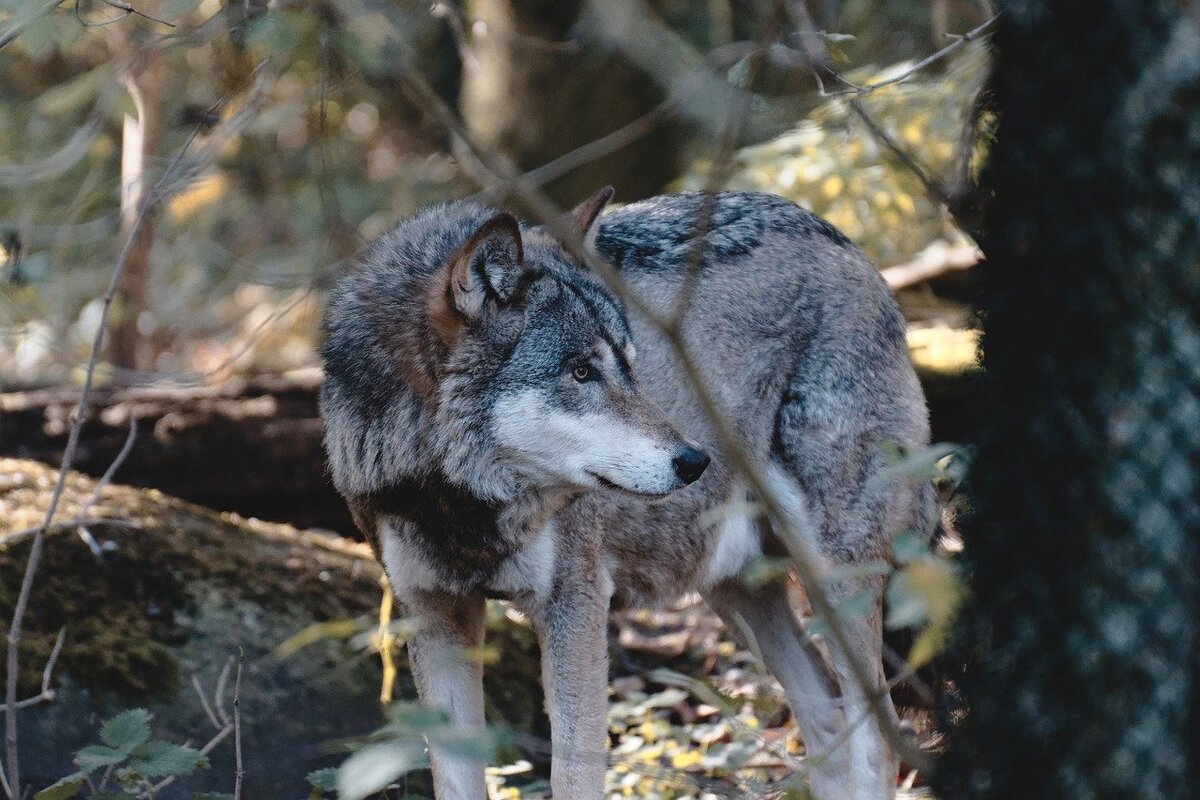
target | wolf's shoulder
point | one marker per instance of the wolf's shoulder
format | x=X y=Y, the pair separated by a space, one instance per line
x=660 y=229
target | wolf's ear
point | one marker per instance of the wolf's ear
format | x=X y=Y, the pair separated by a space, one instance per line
x=484 y=268
x=585 y=216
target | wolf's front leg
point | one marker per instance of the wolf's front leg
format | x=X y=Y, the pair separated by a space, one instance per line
x=449 y=630
x=573 y=624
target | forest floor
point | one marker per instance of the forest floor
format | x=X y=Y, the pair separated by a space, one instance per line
x=691 y=714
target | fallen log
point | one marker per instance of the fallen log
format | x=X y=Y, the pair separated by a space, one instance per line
x=249 y=445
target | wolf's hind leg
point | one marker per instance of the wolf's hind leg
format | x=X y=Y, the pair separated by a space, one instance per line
x=449 y=629
x=873 y=764
x=763 y=619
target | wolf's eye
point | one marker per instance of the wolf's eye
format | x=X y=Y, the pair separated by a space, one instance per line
x=582 y=373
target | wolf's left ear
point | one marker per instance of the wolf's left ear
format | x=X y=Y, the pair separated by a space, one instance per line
x=484 y=268
x=585 y=217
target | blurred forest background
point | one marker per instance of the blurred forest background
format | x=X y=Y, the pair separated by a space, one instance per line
x=229 y=157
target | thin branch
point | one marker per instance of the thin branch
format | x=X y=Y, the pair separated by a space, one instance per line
x=933 y=186
x=128 y=9
x=47 y=693
x=446 y=11
x=105 y=479
x=153 y=198
x=486 y=167
x=239 y=773
x=16 y=537
x=958 y=44
x=599 y=148
x=219 y=693
x=223 y=730
x=216 y=723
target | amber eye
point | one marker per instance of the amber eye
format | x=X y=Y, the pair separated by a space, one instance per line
x=582 y=373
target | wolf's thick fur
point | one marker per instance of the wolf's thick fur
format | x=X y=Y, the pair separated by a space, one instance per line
x=500 y=425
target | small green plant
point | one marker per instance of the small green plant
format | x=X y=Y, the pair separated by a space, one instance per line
x=127 y=764
x=400 y=747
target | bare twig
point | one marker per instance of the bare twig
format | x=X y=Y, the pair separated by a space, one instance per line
x=959 y=43
x=933 y=187
x=224 y=729
x=105 y=479
x=47 y=693
x=735 y=127
x=152 y=199
x=487 y=167
x=216 y=723
x=446 y=11
x=240 y=773
x=16 y=537
x=129 y=10
x=219 y=693
x=599 y=148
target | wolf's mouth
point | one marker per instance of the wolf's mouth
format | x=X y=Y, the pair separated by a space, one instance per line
x=607 y=484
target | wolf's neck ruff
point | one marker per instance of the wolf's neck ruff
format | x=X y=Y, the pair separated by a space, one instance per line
x=458 y=531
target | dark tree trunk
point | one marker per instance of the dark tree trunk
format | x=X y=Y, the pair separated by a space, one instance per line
x=1083 y=547
x=533 y=91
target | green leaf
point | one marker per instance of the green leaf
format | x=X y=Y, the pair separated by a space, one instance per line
x=97 y=756
x=159 y=759
x=127 y=730
x=323 y=779
x=905 y=606
x=414 y=717
x=908 y=546
x=373 y=768
x=478 y=744
x=916 y=466
x=63 y=789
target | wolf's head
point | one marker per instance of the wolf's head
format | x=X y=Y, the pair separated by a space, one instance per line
x=565 y=409
x=463 y=344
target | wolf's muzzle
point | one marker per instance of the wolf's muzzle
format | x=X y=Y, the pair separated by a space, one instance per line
x=690 y=464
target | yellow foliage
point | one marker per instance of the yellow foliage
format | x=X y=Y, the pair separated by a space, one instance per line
x=688 y=758
x=831 y=164
x=203 y=192
x=944 y=349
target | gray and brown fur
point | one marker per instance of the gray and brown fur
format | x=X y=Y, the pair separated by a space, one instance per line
x=454 y=354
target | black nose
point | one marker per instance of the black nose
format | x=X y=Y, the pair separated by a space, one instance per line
x=690 y=464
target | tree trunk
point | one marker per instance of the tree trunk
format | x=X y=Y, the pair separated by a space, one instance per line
x=128 y=348
x=1082 y=627
x=531 y=92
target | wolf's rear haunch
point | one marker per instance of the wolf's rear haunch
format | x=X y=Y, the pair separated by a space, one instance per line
x=501 y=426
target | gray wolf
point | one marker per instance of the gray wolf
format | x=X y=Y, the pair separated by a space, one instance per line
x=501 y=426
